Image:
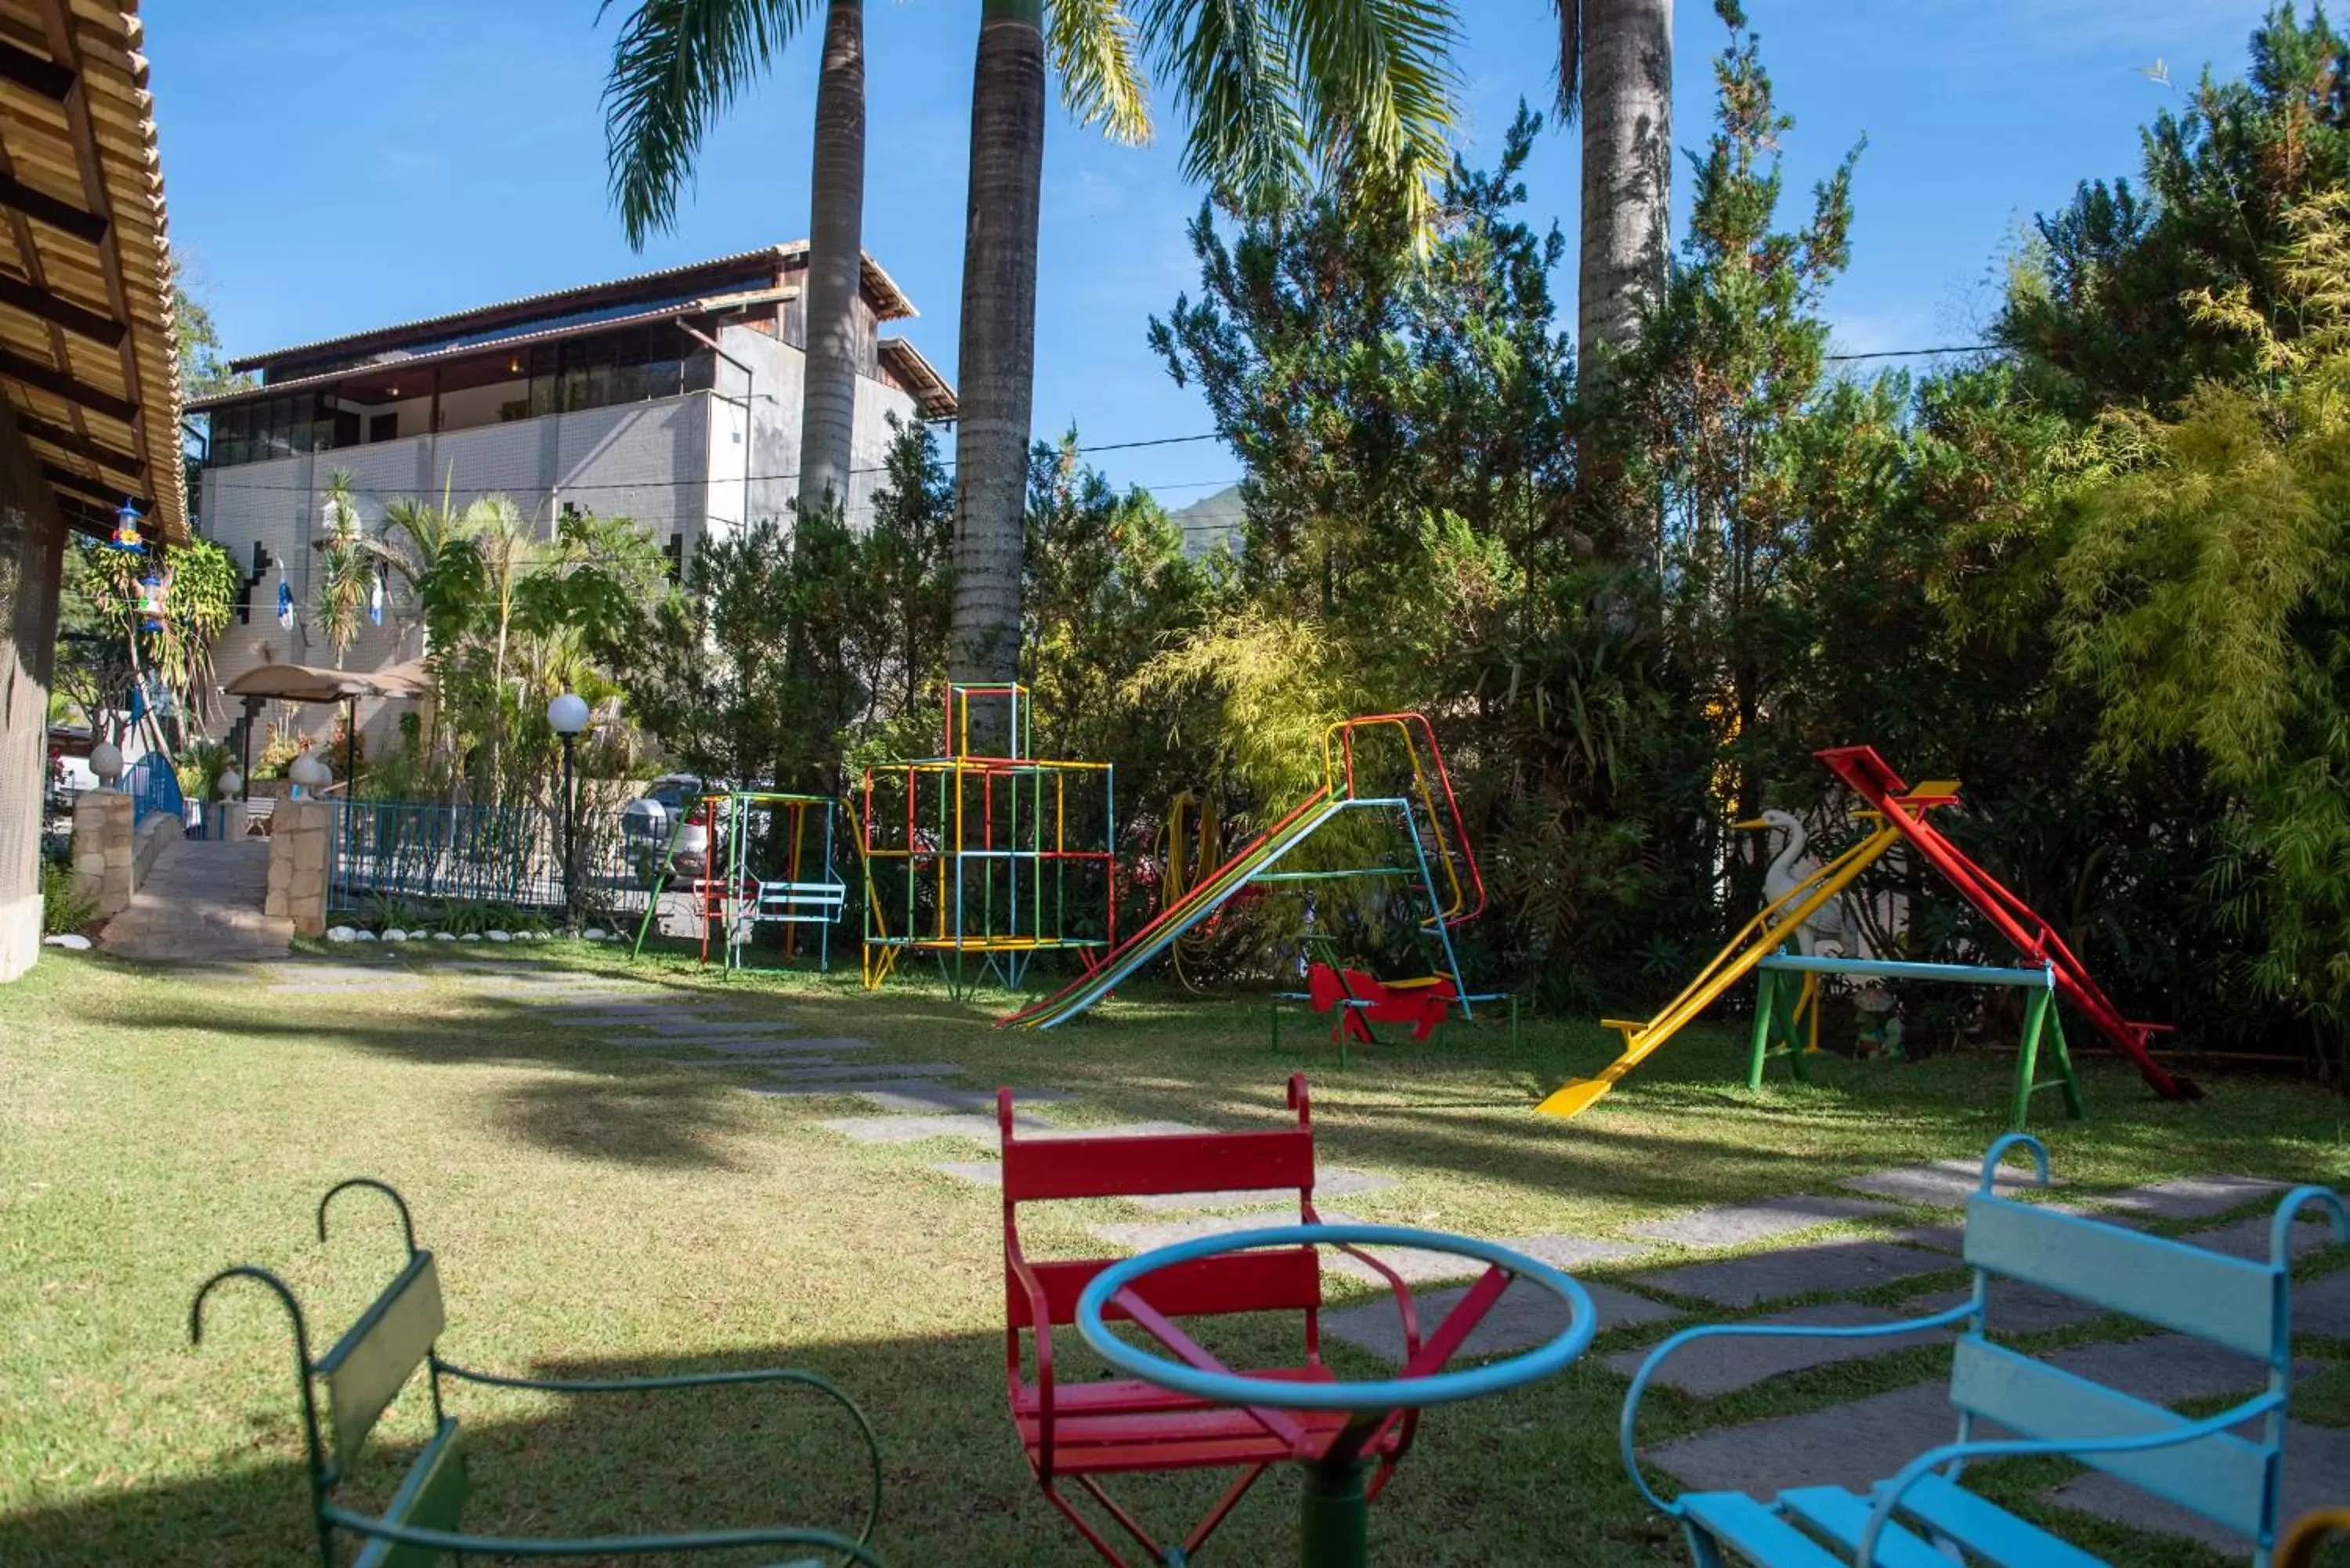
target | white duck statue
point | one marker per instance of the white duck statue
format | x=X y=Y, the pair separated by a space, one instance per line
x=1833 y=922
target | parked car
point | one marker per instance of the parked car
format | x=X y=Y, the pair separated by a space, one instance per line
x=649 y=823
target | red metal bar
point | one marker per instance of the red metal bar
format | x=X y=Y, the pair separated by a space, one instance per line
x=1869 y=776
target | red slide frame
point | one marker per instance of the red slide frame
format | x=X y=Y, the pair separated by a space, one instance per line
x=1875 y=782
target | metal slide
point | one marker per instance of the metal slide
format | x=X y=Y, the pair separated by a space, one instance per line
x=2034 y=939
x=1204 y=901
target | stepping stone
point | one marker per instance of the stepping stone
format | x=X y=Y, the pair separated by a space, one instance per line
x=1714 y=1367
x=2165 y=1367
x=1850 y=1445
x=1329 y=1182
x=960 y=1101
x=1572 y=1252
x=387 y=985
x=978 y=1172
x=2016 y=1307
x=1942 y=1183
x=2249 y=1239
x=2323 y=1307
x=1949 y=1239
x=913 y=1129
x=1837 y=1266
x=2316 y=1460
x=812 y=1054
x=1525 y=1316
x=778 y=1046
x=1411 y=1263
x=846 y=1070
x=914 y=1097
x=1741 y=1224
x=2191 y=1196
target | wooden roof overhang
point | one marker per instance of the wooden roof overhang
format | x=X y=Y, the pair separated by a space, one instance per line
x=86 y=346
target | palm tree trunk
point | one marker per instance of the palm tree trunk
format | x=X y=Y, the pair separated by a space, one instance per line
x=835 y=259
x=997 y=364
x=1628 y=134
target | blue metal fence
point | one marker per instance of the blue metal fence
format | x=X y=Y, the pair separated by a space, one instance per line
x=415 y=851
x=152 y=786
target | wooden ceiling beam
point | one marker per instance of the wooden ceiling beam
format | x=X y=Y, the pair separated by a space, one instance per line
x=35 y=427
x=24 y=68
x=99 y=328
x=58 y=23
x=63 y=216
x=63 y=478
x=49 y=378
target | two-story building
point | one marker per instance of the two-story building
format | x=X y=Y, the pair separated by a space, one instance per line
x=672 y=398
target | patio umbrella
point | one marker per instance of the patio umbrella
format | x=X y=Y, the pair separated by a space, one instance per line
x=309 y=683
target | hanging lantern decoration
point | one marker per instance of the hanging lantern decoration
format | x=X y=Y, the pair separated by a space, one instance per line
x=126 y=537
x=285 y=600
x=153 y=587
x=375 y=599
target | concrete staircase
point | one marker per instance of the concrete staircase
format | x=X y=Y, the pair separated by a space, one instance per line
x=202 y=902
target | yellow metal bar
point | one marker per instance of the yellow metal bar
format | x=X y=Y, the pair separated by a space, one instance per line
x=1755 y=941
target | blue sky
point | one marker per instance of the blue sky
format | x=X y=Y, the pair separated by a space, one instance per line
x=334 y=167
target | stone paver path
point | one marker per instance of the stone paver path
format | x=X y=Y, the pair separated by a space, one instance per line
x=826 y=1078
x=1743 y=1224
x=1714 y=1367
x=1831 y=1266
x=1942 y=1183
x=2316 y=1460
x=2323 y=1307
x=2015 y=1308
x=1525 y=1316
x=913 y=1129
x=2248 y=1238
x=1572 y=1252
x=1331 y=1181
x=2190 y=1197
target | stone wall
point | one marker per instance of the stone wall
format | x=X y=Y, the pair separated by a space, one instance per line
x=103 y=859
x=298 y=865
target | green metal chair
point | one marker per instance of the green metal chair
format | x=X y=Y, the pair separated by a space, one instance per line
x=379 y=1352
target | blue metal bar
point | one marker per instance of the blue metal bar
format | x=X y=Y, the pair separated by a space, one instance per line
x=1895 y=968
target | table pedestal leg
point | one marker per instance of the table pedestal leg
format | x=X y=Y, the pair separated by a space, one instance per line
x=1333 y=1526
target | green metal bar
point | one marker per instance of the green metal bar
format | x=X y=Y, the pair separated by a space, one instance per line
x=2076 y=1109
x=1334 y=1516
x=1765 y=998
x=2027 y=1058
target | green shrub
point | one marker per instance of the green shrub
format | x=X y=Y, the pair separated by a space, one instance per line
x=63 y=910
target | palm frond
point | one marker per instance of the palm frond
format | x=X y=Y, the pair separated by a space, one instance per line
x=676 y=67
x=1570 y=58
x=1375 y=89
x=1230 y=61
x=1093 y=48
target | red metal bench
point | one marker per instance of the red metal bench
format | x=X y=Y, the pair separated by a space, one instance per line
x=1105 y=1427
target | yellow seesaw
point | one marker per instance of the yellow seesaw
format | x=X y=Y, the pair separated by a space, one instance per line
x=1757 y=939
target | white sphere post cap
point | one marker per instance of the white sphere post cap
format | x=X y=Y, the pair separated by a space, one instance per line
x=231 y=781
x=568 y=714
x=105 y=761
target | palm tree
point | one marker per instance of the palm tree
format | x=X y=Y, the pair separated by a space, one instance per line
x=1274 y=90
x=1615 y=66
x=504 y=545
x=346 y=570
x=675 y=67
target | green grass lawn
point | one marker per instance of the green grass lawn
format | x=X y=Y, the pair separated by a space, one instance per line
x=596 y=1208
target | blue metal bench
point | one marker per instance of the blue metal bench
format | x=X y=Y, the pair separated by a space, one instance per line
x=366 y=1370
x=2201 y=1465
